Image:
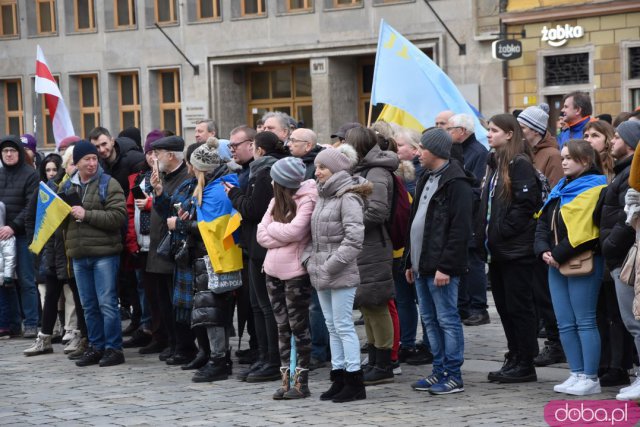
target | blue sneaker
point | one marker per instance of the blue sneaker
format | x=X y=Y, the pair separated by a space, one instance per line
x=448 y=385
x=424 y=384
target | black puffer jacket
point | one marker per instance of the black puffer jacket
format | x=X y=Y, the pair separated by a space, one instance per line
x=448 y=223
x=615 y=236
x=309 y=161
x=253 y=203
x=18 y=183
x=512 y=225
x=129 y=159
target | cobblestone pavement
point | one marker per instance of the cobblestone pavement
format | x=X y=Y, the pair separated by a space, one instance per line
x=51 y=390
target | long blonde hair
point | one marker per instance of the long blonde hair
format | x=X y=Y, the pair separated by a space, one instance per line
x=197 y=192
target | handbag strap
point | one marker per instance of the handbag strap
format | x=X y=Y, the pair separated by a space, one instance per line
x=553 y=224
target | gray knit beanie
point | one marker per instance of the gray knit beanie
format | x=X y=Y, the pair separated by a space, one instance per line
x=205 y=158
x=629 y=131
x=288 y=172
x=535 y=118
x=337 y=159
x=438 y=142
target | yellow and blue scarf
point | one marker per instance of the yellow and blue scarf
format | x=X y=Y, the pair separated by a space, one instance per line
x=578 y=199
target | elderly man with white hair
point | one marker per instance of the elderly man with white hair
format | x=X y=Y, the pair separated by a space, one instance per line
x=472 y=296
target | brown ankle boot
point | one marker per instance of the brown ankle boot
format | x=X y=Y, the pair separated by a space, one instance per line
x=279 y=393
x=300 y=387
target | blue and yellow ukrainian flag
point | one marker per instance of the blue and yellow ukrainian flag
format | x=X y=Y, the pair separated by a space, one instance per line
x=50 y=213
x=578 y=200
x=218 y=222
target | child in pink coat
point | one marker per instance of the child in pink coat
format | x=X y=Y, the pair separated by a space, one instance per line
x=285 y=231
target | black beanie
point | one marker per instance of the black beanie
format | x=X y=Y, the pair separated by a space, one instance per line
x=83 y=148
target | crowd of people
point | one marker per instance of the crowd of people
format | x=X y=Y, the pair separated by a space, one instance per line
x=407 y=228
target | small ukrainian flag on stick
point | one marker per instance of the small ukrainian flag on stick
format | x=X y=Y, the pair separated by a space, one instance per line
x=50 y=213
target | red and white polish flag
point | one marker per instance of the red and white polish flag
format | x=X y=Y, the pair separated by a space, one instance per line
x=46 y=84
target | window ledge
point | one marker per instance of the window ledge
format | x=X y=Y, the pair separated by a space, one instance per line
x=38 y=36
x=393 y=4
x=205 y=21
x=334 y=9
x=10 y=37
x=297 y=12
x=118 y=29
x=249 y=17
x=75 y=33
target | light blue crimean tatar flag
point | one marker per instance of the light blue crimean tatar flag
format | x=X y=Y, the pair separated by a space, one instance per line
x=407 y=78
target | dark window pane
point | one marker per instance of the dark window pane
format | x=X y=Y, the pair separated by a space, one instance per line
x=634 y=63
x=128 y=119
x=87 y=92
x=13 y=100
x=377 y=109
x=251 y=7
x=84 y=18
x=164 y=10
x=89 y=122
x=635 y=97
x=256 y=114
x=50 y=138
x=281 y=83
x=367 y=78
x=167 y=87
x=566 y=69
x=7 y=20
x=206 y=8
x=123 y=13
x=14 y=126
x=260 y=85
x=282 y=108
x=126 y=84
x=296 y=4
x=305 y=115
x=170 y=120
x=303 y=81
x=45 y=18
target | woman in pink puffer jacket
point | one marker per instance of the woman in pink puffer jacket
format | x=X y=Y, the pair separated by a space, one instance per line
x=285 y=231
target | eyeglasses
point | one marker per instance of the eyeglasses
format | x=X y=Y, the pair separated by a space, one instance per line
x=295 y=141
x=9 y=151
x=233 y=147
x=449 y=129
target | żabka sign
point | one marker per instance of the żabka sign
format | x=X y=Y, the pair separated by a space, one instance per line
x=560 y=35
x=594 y=413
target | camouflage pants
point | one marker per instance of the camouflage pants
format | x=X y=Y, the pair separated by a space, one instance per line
x=290 y=301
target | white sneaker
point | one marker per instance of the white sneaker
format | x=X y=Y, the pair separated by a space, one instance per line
x=68 y=335
x=73 y=342
x=629 y=387
x=562 y=388
x=41 y=346
x=584 y=386
x=630 y=393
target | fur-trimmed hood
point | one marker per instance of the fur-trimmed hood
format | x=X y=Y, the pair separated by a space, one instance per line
x=406 y=170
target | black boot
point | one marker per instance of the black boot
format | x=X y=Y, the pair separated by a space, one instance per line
x=510 y=360
x=371 y=359
x=382 y=372
x=551 y=353
x=201 y=359
x=353 y=388
x=242 y=375
x=229 y=362
x=523 y=372
x=337 y=383
x=614 y=377
x=214 y=370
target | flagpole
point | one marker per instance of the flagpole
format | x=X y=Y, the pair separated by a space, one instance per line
x=35 y=119
x=370 y=113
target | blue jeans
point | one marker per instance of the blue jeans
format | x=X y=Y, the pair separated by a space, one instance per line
x=337 y=307
x=439 y=311
x=318 y=329
x=145 y=319
x=96 y=280
x=574 y=301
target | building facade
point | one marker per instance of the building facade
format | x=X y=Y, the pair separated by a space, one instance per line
x=310 y=58
x=592 y=46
